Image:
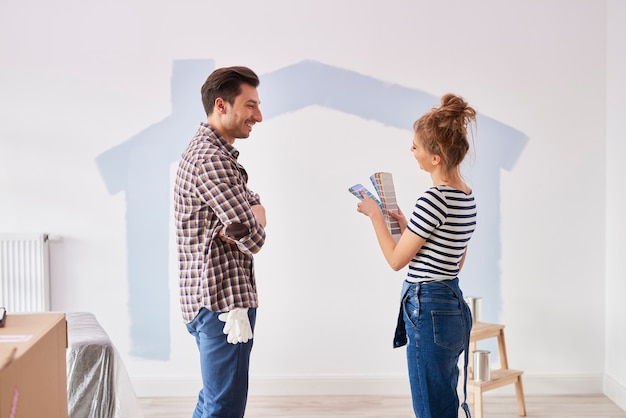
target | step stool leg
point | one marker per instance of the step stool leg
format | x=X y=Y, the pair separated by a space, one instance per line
x=478 y=403
x=519 y=391
x=504 y=361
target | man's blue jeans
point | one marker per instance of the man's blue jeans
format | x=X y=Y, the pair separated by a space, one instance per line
x=224 y=367
x=437 y=322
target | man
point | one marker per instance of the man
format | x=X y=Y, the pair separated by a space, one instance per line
x=220 y=224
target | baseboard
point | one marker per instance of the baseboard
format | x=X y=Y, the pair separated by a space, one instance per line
x=534 y=384
x=281 y=386
x=615 y=391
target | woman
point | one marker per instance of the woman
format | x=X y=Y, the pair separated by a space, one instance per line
x=433 y=314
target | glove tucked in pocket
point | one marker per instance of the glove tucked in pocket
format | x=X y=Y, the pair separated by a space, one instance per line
x=237 y=325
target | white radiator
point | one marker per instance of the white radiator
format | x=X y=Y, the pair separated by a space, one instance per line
x=24 y=273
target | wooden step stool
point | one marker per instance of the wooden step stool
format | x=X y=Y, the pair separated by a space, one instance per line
x=503 y=376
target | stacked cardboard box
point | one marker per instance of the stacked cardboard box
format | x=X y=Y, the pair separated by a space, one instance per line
x=33 y=380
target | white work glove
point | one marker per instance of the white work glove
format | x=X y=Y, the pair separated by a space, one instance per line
x=237 y=325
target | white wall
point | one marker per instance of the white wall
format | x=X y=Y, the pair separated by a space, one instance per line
x=615 y=376
x=86 y=108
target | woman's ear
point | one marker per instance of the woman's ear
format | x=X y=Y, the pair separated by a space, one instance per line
x=436 y=159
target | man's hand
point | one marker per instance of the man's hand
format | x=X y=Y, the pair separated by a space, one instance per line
x=259 y=214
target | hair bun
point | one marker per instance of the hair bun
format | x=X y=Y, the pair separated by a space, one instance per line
x=444 y=129
x=454 y=112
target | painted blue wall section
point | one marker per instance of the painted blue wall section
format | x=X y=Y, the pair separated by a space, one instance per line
x=140 y=168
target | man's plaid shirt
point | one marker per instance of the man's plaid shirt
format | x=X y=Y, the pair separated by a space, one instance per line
x=211 y=192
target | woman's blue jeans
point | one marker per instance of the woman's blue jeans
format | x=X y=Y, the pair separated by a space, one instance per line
x=224 y=367
x=437 y=323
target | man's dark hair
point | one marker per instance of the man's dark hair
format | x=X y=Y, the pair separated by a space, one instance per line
x=226 y=83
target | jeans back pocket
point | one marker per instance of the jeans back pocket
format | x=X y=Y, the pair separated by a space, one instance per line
x=448 y=329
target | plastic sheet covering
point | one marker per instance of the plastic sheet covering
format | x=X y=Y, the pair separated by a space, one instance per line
x=98 y=385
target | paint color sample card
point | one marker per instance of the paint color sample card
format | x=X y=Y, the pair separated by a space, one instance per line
x=356 y=190
x=383 y=183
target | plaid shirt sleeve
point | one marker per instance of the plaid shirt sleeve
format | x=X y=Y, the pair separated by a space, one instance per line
x=211 y=192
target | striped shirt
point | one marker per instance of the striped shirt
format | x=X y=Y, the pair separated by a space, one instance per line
x=446 y=219
x=210 y=192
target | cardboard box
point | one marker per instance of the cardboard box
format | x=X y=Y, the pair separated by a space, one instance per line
x=33 y=382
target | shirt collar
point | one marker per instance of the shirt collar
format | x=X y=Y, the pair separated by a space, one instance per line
x=213 y=136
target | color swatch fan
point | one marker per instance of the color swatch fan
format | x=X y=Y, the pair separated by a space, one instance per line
x=383 y=184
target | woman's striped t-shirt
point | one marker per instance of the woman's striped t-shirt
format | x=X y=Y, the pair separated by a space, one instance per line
x=446 y=219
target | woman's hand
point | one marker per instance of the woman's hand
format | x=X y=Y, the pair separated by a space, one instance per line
x=368 y=206
x=399 y=216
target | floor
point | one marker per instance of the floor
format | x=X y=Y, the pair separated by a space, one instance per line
x=588 y=406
